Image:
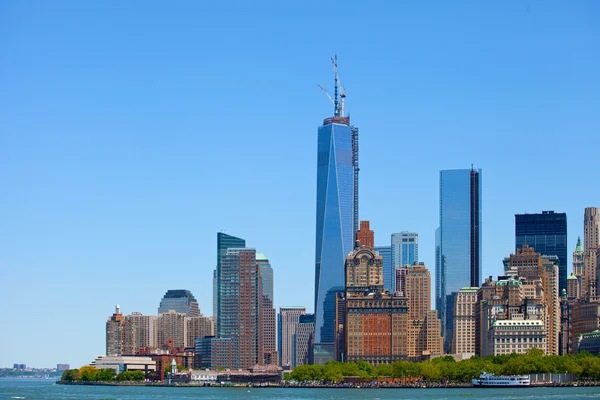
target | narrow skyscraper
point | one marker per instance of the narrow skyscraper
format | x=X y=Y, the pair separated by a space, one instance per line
x=547 y=234
x=405 y=252
x=337 y=217
x=224 y=242
x=458 y=241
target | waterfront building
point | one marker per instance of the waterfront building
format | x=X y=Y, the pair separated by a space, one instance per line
x=365 y=235
x=531 y=265
x=585 y=318
x=547 y=234
x=458 y=242
x=181 y=301
x=516 y=336
x=62 y=367
x=375 y=322
x=424 y=327
x=405 y=252
x=336 y=219
x=389 y=276
x=224 y=242
x=138 y=331
x=589 y=342
x=591 y=245
x=463 y=341
x=198 y=327
x=305 y=330
x=288 y=319
x=172 y=326
x=125 y=363
x=212 y=352
x=114 y=333
x=240 y=304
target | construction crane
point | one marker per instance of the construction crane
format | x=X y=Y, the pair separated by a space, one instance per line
x=338 y=107
x=327 y=93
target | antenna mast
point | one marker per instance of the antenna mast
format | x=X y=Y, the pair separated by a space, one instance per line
x=336 y=110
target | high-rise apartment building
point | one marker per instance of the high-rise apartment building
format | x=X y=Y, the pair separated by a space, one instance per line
x=337 y=218
x=181 y=301
x=172 y=326
x=305 y=330
x=139 y=332
x=365 y=235
x=547 y=234
x=405 y=252
x=288 y=319
x=591 y=245
x=424 y=327
x=458 y=242
x=114 y=333
x=224 y=242
x=239 y=304
x=463 y=341
x=388 y=271
x=199 y=327
x=375 y=322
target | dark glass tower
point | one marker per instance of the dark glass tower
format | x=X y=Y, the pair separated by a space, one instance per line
x=181 y=301
x=547 y=234
x=458 y=241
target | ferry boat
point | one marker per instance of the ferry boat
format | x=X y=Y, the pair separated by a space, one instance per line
x=491 y=380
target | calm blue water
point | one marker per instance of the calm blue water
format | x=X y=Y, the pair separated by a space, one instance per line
x=30 y=389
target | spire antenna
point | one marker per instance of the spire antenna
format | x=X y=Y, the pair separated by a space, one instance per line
x=336 y=109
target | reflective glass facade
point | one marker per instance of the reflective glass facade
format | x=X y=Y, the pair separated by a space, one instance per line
x=389 y=275
x=224 y=242
x=405 y=251
x=458 y=240
x=547 y=234
x=334 y=225
x=181 y=301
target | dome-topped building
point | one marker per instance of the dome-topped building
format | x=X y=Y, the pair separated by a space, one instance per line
x=181 y=301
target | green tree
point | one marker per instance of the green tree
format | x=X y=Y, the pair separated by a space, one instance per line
x=70 y=375
x=106 y=375
x=88 y=373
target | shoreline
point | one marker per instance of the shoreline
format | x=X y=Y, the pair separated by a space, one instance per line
x=365 y=385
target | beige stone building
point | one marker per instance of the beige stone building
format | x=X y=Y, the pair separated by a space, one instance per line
x=516 y=336
x=591 y=245
x=172 y=325
x=288 y=320
x=463 y=340
x=198 y=327
x=114 y=333
x=139 y=332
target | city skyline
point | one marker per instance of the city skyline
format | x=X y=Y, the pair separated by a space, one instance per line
x=120 y=163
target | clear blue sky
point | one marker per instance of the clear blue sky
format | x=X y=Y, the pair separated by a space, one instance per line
x=130 y=133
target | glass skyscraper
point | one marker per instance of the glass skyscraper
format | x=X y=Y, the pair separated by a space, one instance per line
x=547 y=234
x=224 y=242
x=389 y=275
x=181 y=301
x=405 y=251
x=458 y=241
x=335 y=227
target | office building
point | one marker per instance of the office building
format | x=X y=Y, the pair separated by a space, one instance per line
x=463 y=341
x=365 y=235
x=375 y=322
x=388 y=271
x=337 y=218
x=405 y=252
x=287 y=322
x=424 y=327
x=547 y=234
x=305 y=330
x=62 y=367
x=578 y=270
x=114 y=333
x=172 y=328
x=224 y=242
x=268 y=318
x=591 y=245
x=180 y=301
x=212 y=352
x=458 y=242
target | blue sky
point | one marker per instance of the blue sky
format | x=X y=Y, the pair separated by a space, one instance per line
x=131 y=133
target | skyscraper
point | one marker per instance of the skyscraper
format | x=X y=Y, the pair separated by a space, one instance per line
x=458 y=241
x=268 y=328
x=172 y=325
x=547 y=234
x=239 y=305
x=337 y=216
x=301 y=339
x=591 y=245
x=181 y=301
x=405 y=252
x=114 y=333
x=389 y=277
x=287 y=321
x=224 y=242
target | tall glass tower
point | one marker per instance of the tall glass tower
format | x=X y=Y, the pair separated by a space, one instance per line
x=224 y=242
x=458 y=241
x=337 y=218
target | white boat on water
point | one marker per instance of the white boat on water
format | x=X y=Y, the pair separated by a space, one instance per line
x=491 y=380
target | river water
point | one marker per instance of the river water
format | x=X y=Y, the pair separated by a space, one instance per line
x=30 y=389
